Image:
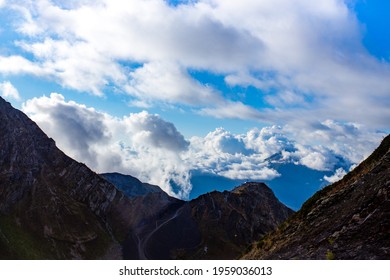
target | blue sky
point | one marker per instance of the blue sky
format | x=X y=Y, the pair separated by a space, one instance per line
x=159 y=89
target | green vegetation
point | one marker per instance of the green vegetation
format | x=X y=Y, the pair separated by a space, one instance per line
x=330 y=255
x=264 y=243
x=18 y=243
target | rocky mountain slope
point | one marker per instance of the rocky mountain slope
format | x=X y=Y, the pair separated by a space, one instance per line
x=217 y=225
x=52 y=207
x=349 y=219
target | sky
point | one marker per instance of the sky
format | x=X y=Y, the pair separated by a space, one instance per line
x=164 y=89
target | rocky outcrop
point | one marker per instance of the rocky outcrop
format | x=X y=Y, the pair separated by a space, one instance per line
x=52 y=207
x=347 y=220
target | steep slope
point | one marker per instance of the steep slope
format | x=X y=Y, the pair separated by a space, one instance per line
x=129 y=185
x=52 y=207
x=347 y=220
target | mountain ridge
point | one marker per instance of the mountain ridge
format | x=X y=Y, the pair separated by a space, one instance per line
x=349 y=219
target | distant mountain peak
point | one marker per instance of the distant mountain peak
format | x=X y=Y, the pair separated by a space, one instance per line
x=252 y=187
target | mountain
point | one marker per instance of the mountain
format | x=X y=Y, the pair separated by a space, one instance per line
x=293 y=187
x=217 y=225
x=349 y=219
x=52 y=207
x=129 y=185
x=230 y=221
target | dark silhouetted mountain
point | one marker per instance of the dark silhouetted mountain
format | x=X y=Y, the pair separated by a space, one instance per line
x=349 y=219
x=52 y=207
x=129 y=185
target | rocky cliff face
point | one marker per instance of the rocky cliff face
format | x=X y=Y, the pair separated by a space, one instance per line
x=347 y=220
x=52 y=207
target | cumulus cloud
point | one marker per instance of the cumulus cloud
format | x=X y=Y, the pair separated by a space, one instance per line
x=251 y=155
x=7 y=90
x=151 y=130
x=223 y=153
x=307 y=59
x=140 y=144
x=76 y=128
x=317 y=158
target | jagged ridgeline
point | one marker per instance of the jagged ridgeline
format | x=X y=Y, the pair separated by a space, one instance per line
x=347 y=220
x=52 y=207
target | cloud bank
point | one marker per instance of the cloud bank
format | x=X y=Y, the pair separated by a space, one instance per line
x=152 y=149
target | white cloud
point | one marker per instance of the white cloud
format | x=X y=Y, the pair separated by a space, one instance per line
x=351 y=141
x=250 y=155
x=338 y=175
x=77 y=129
x=316 y=158
x=253 y=173
x=233 y=110
x=286 y=98
x=297 y=52
x=151 y=130
x=228 y=155
x=15 y=65
x=7 y=90
x=76 y=65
